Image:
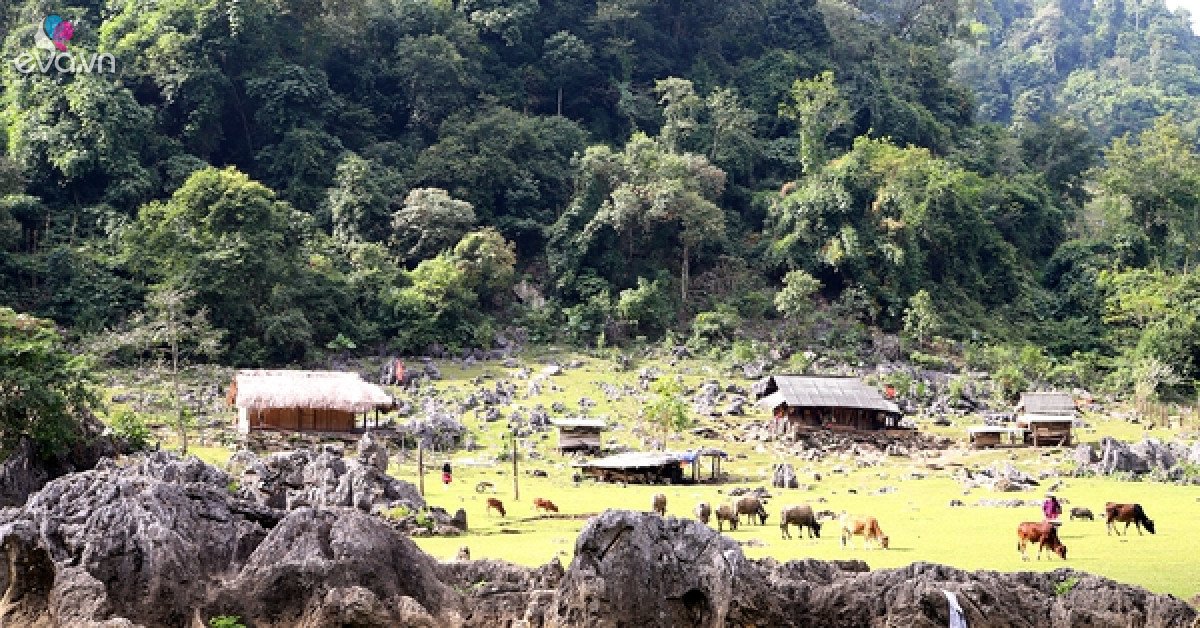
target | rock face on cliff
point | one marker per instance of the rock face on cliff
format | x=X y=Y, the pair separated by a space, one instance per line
x=23 y=472
x=164 y=542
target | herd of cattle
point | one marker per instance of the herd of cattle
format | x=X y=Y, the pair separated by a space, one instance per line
x=1043 y=533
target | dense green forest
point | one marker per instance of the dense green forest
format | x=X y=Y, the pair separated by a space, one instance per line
x=1012 y=181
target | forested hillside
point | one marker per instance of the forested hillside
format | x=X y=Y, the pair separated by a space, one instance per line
x=1014 y=183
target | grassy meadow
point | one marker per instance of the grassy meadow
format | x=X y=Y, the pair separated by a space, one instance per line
x=916 y=515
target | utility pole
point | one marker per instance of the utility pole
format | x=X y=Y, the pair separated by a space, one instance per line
x=516 y=486
x=421 y=466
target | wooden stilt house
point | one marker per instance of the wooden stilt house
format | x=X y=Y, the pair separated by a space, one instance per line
x=839 y=403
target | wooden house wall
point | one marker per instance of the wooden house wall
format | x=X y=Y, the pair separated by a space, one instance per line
x=578 y=439
x=303 y=419
x=856 y=418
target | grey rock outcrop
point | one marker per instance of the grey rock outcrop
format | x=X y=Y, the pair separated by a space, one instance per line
x=24 y=472
x=1147 y=456
x=784 y=476
x=165 y=543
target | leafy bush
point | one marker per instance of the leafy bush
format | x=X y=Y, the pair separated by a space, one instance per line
x=397 y=513
x=648 y=306
x=717 y=325
x=226 y=621
x=130 y=426
x=1064 y=587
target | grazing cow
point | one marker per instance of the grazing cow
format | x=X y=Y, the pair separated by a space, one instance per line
x=544 y=504
x=727 y=513
x=660 y=504
x=492 y=502
x=751 y=506
x=827 y=514
x=464 y=553
x=1127 y=514
x=703 y=512
x=867 y=527
x=1082 y=513
x=1044 y=533
x=485 y=486
x=800 y=516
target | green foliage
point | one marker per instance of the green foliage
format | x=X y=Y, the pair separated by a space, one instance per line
x=795 y=302
x=667 y=409
x=429 y=223
x=921 y=321
x=1065 y=587
x=648 y=307
x=226 y=621
x=47 y=389
x=130 y=426
x=227 y=239
x=716 y=326
x=818 y=108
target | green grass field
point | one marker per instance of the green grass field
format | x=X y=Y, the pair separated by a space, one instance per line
x=916 y=517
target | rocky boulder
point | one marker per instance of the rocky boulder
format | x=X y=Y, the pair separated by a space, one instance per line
x=24 y=472
x=343 y=567
x=631 y=569
x=784 y=476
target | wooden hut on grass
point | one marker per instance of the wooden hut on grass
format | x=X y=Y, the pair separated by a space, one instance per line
x=304 y=401
x=1046 y=417
x=579 y=434
x=805 y=402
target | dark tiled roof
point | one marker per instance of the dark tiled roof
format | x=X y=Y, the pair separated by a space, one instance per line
x=824 y=392
x=1051 y=403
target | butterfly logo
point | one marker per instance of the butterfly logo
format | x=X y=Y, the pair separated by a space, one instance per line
x=54 y=33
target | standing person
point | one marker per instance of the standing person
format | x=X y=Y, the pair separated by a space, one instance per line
x=1051 y=508
x=398 y=372
x=446 y=473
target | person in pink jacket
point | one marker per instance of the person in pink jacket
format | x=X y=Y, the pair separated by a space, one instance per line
x=1051 y=508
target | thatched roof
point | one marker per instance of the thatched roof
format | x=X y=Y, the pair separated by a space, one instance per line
x=332 y=390
x=800 y=391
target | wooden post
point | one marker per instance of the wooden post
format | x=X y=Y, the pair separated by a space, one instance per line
x=421 y=466
x=516 y=486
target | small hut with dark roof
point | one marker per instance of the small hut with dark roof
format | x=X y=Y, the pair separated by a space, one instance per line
x=1046 y=417
x=303 y=401
x=806 y=402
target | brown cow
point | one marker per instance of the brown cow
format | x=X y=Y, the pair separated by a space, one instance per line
x=544 y=504
x=802 y=517
x=492 y=502
x=727 y=513
x=660 y=504
x=751 y=506
x=1127 y=514
x=1044 y=533
x=703 y=512
x=867 y=527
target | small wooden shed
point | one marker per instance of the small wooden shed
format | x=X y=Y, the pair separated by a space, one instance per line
x=1046 y=417
x=303 y=401
x=579 y=434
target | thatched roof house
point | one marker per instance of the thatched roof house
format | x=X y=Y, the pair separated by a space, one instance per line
x=319 y=401
x=812 y=402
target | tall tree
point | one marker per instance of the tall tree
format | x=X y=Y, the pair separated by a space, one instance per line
x=818 y=108
x=45 y=391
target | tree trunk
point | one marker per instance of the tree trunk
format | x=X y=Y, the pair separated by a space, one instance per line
x=560 y=100
x=683 y=276
x=179 y=420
